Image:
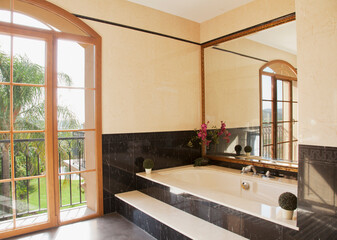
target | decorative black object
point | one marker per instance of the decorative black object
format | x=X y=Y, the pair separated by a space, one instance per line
x=238 y=149
x=201 y=162
x=148 y=163
x=248 y=149
x=288 y=201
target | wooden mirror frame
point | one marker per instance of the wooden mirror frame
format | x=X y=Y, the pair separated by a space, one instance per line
x=232 y=36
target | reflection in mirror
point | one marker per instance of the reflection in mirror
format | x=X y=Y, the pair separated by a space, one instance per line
x=251 y=84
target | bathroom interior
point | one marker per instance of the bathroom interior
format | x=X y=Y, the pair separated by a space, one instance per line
x=91 y=89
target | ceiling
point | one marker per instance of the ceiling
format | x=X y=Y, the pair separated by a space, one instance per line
x=195 y=10
x=282 y=37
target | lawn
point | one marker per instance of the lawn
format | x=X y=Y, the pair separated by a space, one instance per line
x=65 y=194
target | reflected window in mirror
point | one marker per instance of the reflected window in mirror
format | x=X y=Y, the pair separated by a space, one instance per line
x=278 y=110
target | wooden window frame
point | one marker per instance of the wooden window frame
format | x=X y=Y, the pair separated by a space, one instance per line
x=274 y=122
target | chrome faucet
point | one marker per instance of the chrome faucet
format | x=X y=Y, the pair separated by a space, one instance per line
x=248 y=169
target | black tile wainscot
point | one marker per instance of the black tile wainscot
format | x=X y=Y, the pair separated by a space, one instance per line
x=317 y=193
x=235 y=221
x=123 y=156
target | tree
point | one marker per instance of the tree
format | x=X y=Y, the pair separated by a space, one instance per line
x=28 y=113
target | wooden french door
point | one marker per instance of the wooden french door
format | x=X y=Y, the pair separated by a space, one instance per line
x=49 y=131
x=27 y=196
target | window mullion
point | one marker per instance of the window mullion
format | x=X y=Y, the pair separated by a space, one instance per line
x=291 y=121
x=274 y=116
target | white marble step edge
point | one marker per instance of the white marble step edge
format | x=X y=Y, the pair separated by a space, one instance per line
x=187 y=224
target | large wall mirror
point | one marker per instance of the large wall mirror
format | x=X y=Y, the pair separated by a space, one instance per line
x=250 y=83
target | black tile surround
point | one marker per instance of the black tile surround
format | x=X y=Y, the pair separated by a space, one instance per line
x=123 y=155
x=317 y=192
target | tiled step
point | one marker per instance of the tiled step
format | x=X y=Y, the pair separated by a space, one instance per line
x=186 y=225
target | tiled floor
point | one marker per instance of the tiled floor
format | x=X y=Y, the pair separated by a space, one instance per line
x=112 y=226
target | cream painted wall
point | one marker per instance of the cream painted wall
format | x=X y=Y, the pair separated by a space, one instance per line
x=232 y=81
x=149 y=83
x=131 y=14
x=248 y=15
x=317 y=68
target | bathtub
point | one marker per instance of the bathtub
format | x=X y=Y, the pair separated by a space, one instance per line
x=224 y=186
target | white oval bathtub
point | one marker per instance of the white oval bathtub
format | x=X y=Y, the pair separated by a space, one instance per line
x=223 y=186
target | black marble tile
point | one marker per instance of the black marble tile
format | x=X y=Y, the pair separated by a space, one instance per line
x=197 y=206
x=317 y=180
x=147 y=223
x=318 y=153
x=258 y=228
x=153 y=189
x=107 y=205
x=316 y=226
x=106 y=179
x=121 y=181
x=335 y=184
x=122 y=155
x=290 y=234
x=226 y=218
x=317 y=218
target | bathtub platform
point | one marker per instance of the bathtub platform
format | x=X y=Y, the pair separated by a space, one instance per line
x=186 y=225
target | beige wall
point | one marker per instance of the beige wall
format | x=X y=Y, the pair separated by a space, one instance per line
x=317 y=68
x=248 y=15
x=150 y=83
x=131 y=14
x=232 y=81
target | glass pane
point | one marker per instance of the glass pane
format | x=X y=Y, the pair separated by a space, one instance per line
x=5 y=108
x=295 y=111
x=76 y=109
x=5 y=60
x=295 y=131
x=266 y=88
x=267 y=111
x=6 y=211
x=295 y=93
x=48 y=17
x=25 y=20
x=269 y=70
x=31 y=203
x=267 y=151
x=283 y=151
x=29 y=108
x=283 y=111
x=283 y=90
x=267 y=131
x=76 y=151
x=72 y=70
x=29 y=154
x=72 y=192
x=29 y=60
x=295 y=152
x=5 y=15
x=283 y=132
x=5 y=157
x=78 y=191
